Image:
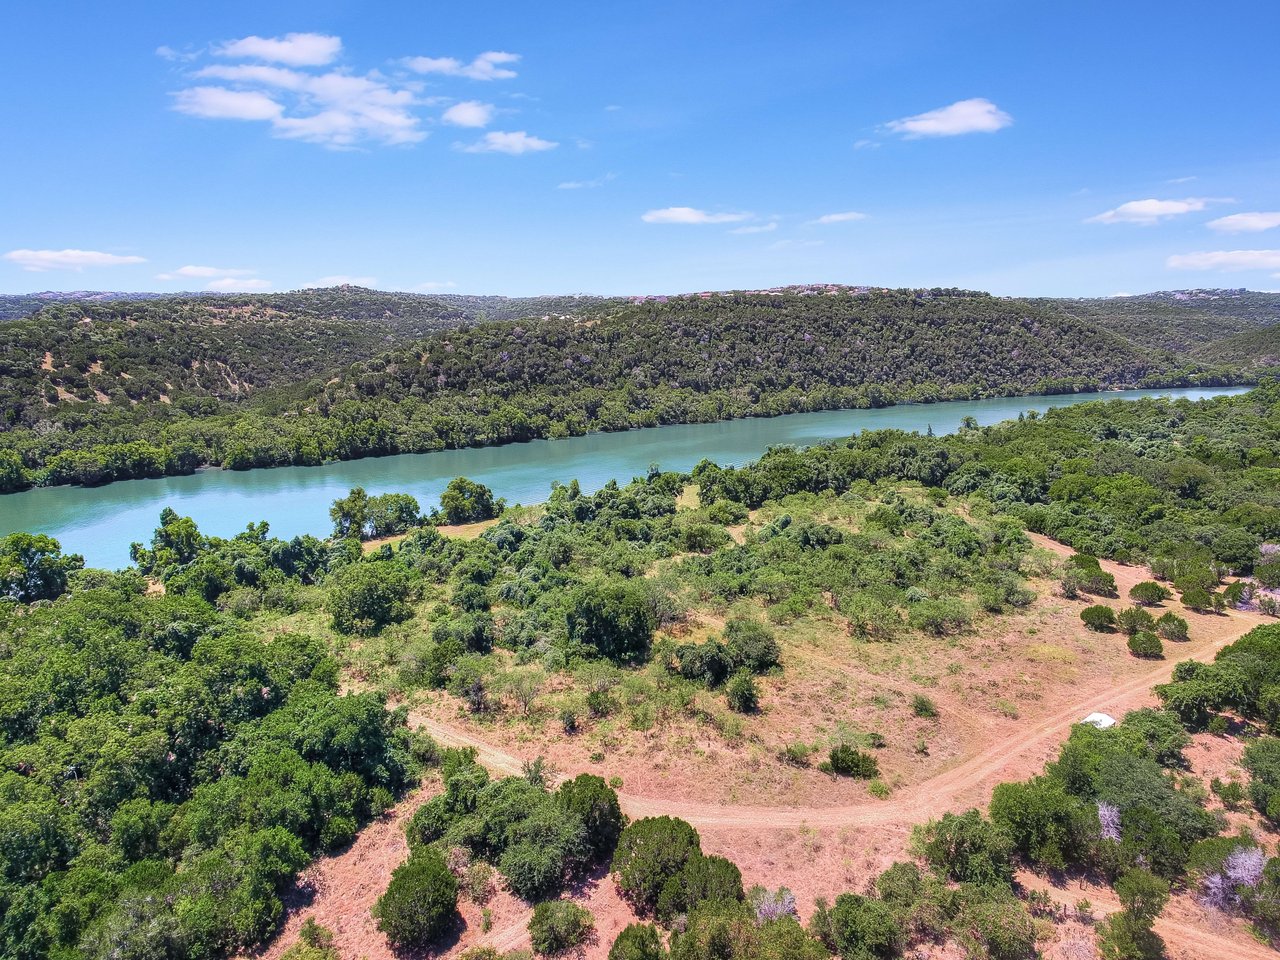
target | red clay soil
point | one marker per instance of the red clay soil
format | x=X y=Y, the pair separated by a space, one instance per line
x=818 y=850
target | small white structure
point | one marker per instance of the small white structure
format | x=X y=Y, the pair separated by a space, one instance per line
x=1102 y=721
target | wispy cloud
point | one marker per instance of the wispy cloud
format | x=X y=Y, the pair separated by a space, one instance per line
x=1246 y=222
x=1147 y=212
x=295 y=85
x=587 y=184
x=341 y=280
x=1226 y=260
x=964 y=116
x=866 y=144
x=238 y=285
x=490 y=65
x=846 y=217
x=514 y=142
x=39 y=261
x=430 y=285
x=294 y=49
x=469 y=113
x=335 y=109
x=794 y=244
x=219 y=103
x=1178 y=180
x=194 y=271
x=691 y=215
x=757 y=228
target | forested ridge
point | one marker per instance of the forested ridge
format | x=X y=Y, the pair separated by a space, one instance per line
x=170 y=761
x=158 y=387
x=1184 y=321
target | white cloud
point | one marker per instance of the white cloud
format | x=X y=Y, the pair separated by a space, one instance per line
x=586 y=184
x=1226 y=260
x=691 y=215
x=238 y=285
x=341 y=280
x=846 y=217
x=219 y=103
x=1180 y=180
x=515 y=143
x=295 y=49
x=756 y=228
x=41 y=260
x=192 y=270
x=436 y=285
x=1246 y=222
x=469 y=113
x=335 y=109
x=964 y=116
x=169 y=53
x=1147 y=212
x=487 y=66
x=866 y=144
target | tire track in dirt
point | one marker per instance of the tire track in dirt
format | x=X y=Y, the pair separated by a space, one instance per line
x=966 y=782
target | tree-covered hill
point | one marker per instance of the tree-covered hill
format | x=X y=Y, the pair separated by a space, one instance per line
x=1253 y=349
x=182 y=348
x=1177 y=320
x=916 y=344
x=313 y=376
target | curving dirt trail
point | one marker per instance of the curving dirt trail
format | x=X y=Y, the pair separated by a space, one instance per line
x=968 y=782
x=965 y=784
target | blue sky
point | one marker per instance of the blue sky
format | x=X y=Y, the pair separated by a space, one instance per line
x=1024 y=148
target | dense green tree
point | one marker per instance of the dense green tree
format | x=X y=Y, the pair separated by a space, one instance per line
x=558 y=926
x=638 y=941
x=465 y=501
x=420 y=902
x=616 y=618
x=368 y=595
x=33 y=567
x=650 y=852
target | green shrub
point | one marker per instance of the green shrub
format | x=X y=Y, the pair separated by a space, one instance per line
x=1098 y=617
x=922 y=706
x=966 y=848
x=741 y=693
x=1170 y=626
x=465 y=501
x=638 y=941
x=849 y=762
x=616 y=618
x=1148 y=593
x=420 y=901
x=558 y=926
x=939 y=617
x=367 y=595
x=864 y=928
x=751 y=644
x=591 y=800
x=1146 y=645
x=701 y=880
x=1131 y=620
x=649 y=853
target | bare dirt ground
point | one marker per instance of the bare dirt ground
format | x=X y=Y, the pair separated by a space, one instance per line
x=839 y=837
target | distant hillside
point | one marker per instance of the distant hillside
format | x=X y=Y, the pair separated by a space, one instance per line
x=1178 y=320
x=108 y=391
x=917 y=345
x=184 y=348
x=1256 y=350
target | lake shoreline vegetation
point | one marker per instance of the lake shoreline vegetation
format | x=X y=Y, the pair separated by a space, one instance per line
x=95 y=392
x=176 y=744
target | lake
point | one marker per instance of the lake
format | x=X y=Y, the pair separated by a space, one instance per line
x=101 y=522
